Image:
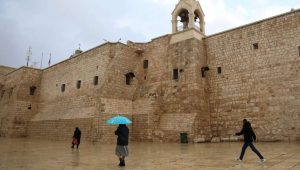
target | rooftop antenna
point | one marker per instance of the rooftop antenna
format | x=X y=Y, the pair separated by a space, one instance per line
x=49 y=62
x=28 y=55
x=119 y=39
x=79 y=46
x=42 y=61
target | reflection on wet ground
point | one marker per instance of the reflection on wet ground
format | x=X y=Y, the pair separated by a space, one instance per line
x=32 y=154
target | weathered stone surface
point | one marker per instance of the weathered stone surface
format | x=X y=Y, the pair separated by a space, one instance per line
x=222 y=79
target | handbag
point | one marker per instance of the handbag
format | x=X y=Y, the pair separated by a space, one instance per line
x=75 y=141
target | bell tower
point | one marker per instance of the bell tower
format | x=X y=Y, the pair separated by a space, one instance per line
x=187 y=15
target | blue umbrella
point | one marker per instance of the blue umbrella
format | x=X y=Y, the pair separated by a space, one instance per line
x=118 y=120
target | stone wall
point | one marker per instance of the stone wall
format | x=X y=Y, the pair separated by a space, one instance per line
x=92 y=129
x=17 y=105
x=82 y=106
x=163 y=102
x=262 y=85
x=249 y=72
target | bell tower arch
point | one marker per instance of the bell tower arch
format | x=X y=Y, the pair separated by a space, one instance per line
x=188 y=14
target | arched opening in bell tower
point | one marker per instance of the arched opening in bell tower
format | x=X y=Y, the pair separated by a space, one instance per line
x=183 y=20
x=198 y=21
x=188 y=14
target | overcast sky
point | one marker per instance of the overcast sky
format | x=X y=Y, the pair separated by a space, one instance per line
x=58 y=26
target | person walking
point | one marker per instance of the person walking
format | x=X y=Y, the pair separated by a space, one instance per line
x=76 y=138
x=249 y=136
x=122 y=142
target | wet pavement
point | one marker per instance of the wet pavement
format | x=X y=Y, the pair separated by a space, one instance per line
x=31 y=154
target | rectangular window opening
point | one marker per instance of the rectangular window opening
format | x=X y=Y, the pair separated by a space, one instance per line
x=129 y=78
x=219 y=70
x=63 y=87
x=203 y=70
x=146 y=64
x=78 y=85
x=175 y=74
x=299 y=50
x=96 y=80
x=32 y=90
x=255 y=46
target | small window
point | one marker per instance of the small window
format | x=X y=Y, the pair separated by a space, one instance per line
x=96 y=80
x=175 y=74
x=32 y=90
x=63 y=87
x=2 y=93
x=146 y=64
x=129 y=77
x=203 y=70
x=219 y=70
x=299 y=50
x=255 y=46
x=78 y=85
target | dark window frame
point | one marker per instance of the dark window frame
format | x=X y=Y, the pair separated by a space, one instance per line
x=175 y=74
x=219 y=70
x=63 y=88
x=96 y=80
x=255 y=46
x=146 y=64
x=203 y=70
x=32 y=90
x=78 y=84
x=129 y=78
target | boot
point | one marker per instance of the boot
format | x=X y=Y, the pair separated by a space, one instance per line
x=122 y=162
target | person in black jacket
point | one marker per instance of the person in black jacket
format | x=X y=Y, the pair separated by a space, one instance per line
x=249 y=135
x=122 y=142
x=76 y=137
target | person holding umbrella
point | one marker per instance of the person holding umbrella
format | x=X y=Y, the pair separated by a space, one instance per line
x=122 y=141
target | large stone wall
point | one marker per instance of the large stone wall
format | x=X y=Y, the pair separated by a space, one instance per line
x=262 y=84
x=17 y=106
x=79 y=106
x=169 y=106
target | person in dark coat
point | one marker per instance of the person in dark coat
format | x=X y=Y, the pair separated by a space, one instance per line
x=122 y=142
x=249 y=136
x=76 y=137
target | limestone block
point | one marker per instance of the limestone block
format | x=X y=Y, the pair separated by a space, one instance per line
x=216 y=140
x=199 y=140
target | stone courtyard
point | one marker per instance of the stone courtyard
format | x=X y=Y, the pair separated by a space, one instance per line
x=29 y=154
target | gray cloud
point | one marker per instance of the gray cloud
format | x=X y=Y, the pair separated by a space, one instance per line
x=58 y=26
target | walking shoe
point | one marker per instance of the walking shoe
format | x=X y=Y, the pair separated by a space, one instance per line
x=122 y=162
x=263 y=160
x=238 y=159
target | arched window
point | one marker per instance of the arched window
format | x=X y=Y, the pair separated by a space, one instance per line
x=129 y=77
x=32 y=90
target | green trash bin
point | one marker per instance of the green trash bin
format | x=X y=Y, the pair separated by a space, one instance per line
x=184 y=138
